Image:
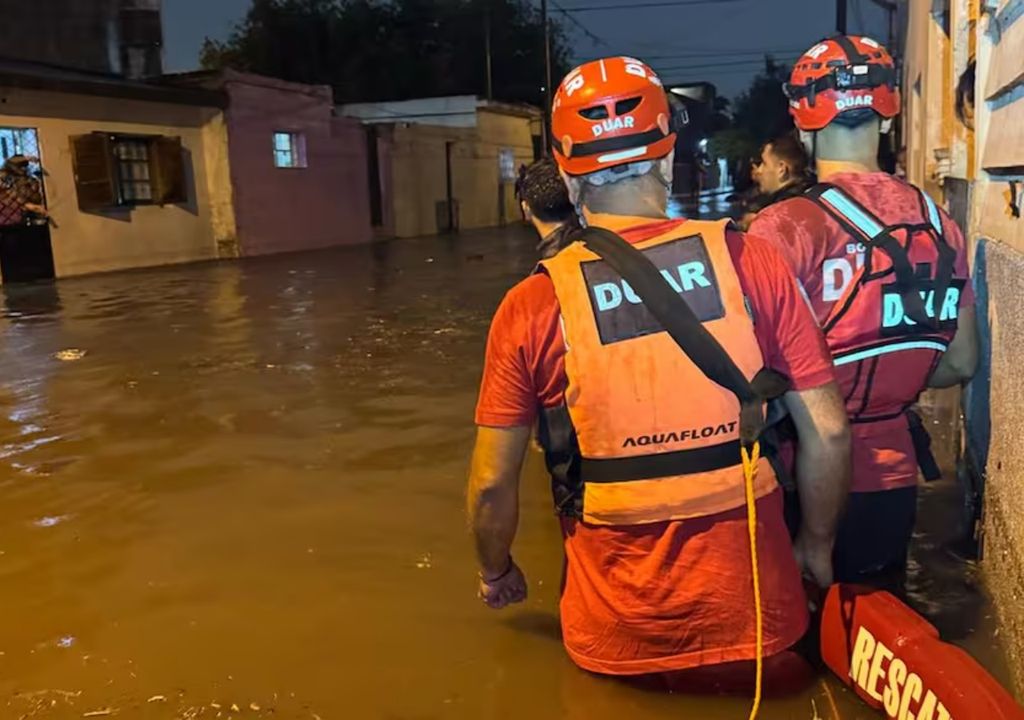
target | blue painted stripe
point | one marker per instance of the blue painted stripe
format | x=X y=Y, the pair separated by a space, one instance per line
x=1010 y=14
x=852 y=213
x=933 y=212
x=886 y=349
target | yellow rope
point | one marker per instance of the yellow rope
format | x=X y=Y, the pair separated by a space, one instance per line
x=750 y=460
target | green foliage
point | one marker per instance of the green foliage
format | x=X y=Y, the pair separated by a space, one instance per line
x=734 y=144
x=763 y=110
x=369 y=50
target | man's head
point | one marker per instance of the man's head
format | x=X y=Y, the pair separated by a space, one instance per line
x=965 y=95
x=842 y=94
x=17 y=164
x=612 y=136
x=783 y=162
x=545 y=199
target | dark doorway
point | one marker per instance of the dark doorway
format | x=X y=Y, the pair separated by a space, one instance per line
x=25 y=253
x=373 y=176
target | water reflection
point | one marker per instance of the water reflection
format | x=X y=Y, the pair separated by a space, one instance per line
x=249 y=492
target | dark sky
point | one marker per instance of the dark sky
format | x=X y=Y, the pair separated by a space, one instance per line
x=686 y=43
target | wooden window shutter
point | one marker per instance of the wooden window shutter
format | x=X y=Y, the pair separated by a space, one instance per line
x=93 y=164
x=167 y=171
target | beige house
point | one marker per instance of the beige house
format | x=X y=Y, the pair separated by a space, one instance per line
x=134 y=174
x=446 y=163
x=977 y=166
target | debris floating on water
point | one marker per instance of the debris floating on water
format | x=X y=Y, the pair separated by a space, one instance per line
x=99 y=713
x=66 y=641
x=70 y=354
x=425 y=562
x=157 y=698
x=51 y=520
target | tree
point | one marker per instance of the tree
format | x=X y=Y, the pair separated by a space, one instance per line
x=763 y=109
x=369 y=50
x=759 y=115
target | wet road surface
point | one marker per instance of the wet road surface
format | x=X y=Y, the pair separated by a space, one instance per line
x=236 y=490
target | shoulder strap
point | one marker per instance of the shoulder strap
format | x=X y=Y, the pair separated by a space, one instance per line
x=947 y=255
x=860 y=222
x=675 y=315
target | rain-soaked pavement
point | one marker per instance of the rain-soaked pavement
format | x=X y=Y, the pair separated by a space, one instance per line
x=236 y=490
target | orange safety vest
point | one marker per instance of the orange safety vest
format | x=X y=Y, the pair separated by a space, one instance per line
x=643 y=435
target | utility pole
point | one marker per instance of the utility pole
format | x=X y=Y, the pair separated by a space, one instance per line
x=841 y=16
x=487 y=48
x=547 y=78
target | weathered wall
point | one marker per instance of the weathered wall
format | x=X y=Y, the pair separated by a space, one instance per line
x=985 y=160
x=1004 y=489
x=418 y=172
x=284 y=209
x=119 y=238
x=73 y=33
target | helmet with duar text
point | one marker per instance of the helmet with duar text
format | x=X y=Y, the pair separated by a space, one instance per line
x=839 y=76
x=610 y=112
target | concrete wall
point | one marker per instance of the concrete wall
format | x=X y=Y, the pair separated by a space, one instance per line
x=417 y=172
x=457 y=111
x=985 y=161
x=72 y=33
x=119 y=238
x=284 y=209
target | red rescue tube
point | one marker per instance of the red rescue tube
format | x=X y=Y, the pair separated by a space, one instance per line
x=896 y=662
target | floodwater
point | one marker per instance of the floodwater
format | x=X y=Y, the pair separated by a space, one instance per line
x=236 y=490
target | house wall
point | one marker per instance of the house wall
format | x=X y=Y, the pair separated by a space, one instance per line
x=417 y=173
x=986 y=162
x=87 y=242
x=285 y=209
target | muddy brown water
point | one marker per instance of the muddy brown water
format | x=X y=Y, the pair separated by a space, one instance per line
x=241 y=484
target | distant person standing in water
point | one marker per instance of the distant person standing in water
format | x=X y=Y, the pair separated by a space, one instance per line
x=546 y=204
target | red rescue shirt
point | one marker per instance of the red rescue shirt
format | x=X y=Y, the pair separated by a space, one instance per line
x=675 y=595
x=819 y=252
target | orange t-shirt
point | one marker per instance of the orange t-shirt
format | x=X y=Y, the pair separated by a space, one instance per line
x=674 y=595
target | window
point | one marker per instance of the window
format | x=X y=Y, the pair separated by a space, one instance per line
x=128 y=170
x=133 y=180
x=289 y=150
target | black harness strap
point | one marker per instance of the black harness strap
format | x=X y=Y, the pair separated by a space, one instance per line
x=661 y=465
x=906 y=278
x=947 y=255
x=686 y=330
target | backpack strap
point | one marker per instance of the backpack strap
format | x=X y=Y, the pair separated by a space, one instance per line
x=675 y=315
x=861 y=223
x=947 y=255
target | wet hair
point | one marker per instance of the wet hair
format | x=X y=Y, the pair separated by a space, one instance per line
x=545 y=193
x=791 y=151
x=965 y=91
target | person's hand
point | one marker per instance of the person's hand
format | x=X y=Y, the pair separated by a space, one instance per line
x=814 y=556
x=506 y=589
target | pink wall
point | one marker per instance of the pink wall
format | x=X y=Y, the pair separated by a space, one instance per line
x=284 y=209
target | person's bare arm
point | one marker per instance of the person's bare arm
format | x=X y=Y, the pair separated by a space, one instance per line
x=822 y=474
x=493 y=508
x=961 y=359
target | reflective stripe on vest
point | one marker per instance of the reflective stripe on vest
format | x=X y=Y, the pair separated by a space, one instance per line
x=638 y=406
x=866 y=354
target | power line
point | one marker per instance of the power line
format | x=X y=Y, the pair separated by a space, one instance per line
x=721 y=53
x=780 y=61
x=635 y=6
x=597 y=40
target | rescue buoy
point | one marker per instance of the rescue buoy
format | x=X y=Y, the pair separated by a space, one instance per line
x=895 y=661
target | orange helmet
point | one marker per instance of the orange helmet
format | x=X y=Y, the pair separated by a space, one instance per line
x=610 y=112
x=840 y=75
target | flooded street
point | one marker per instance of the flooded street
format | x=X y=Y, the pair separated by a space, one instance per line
x=236 y=490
